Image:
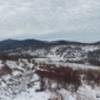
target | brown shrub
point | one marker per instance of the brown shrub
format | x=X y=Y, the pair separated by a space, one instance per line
x=92 y=76
x=61 y=74
x=14 y=57
x=5 y=70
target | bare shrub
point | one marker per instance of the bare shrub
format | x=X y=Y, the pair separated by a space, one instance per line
x=62 y=74
x=5 y=70
x=92 y=76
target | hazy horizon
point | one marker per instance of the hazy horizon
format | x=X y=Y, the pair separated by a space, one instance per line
x=84 y=38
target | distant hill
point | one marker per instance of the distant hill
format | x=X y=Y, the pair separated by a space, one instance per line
x=14 y=44
x=11 y=44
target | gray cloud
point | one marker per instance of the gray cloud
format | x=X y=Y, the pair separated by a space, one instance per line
x=37 y=18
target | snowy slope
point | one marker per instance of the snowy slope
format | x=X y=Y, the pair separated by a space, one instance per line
x=19 y=80
x=22 y=84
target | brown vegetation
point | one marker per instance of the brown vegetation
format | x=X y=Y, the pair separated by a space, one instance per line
x=92 y=76
x=61 y=74
x=5 y=70
x=14 y=57
x=66 y=75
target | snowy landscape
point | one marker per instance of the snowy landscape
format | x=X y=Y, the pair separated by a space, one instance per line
x=49 y=49
x=41 y=70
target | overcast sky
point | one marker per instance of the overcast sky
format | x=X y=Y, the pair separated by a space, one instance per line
x=76 y=20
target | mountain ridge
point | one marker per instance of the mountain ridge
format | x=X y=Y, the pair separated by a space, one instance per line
x=27 y=44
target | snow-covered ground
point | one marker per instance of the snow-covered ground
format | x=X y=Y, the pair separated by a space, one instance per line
x=84 y=93
x=59 y=62
x=14 y=86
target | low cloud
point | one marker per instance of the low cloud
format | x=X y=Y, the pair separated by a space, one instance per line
x=33 y=18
